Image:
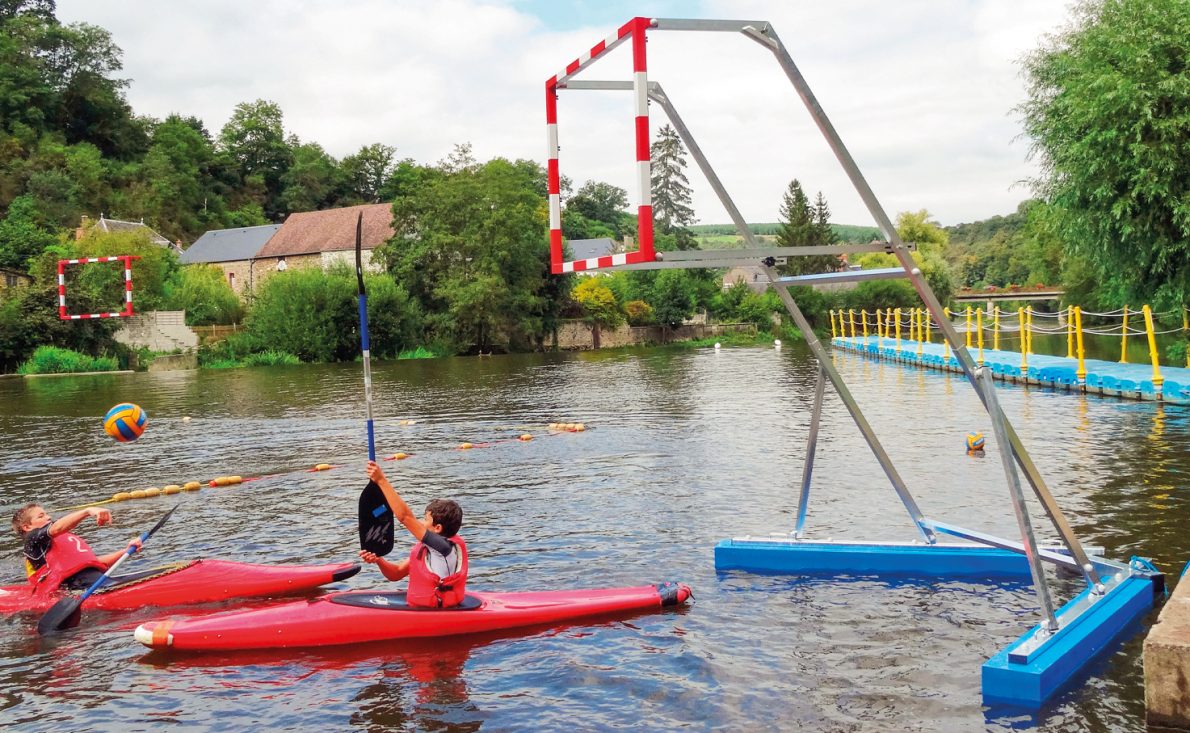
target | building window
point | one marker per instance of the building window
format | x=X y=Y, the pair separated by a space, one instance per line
x=281 y=266
x=11 y=280
x=231 y=280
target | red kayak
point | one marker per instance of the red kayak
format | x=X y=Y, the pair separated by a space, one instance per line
x=198 y=581
x=369 y=616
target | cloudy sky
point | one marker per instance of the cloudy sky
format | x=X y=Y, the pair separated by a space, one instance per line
x=921 y=91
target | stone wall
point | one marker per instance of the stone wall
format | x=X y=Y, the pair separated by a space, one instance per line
x=577 y=336
x=266 y=267
x=174 y=362
x=157 y=331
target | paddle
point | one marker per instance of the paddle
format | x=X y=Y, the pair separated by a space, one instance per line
x=375 y=519
x=67 y=612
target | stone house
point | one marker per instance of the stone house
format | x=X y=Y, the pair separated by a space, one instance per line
x=231 y=250
x=323 y=239
x=751 y=275
x=13 y=278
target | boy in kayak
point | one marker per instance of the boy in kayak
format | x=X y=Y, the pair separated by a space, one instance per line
x=437 y=564
x=54 y=556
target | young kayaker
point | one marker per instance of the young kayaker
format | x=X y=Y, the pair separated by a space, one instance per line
x=437 y=564
x=56 y=557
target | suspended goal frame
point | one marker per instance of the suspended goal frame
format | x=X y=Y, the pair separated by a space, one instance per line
x=1036 y=665
x=126 y=259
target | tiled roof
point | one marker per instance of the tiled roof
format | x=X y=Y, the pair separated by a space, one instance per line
x=116 y=225
x=585 y=249
x=227 y=245
x=312 y=232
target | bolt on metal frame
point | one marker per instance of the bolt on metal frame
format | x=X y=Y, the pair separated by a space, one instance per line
x=1098 y=572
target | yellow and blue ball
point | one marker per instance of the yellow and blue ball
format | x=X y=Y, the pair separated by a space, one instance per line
x=125 y=422
x=974 y=442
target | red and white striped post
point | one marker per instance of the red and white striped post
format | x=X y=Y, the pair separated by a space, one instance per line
x=634 y=29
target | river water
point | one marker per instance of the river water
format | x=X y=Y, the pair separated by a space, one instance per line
x=684 y=448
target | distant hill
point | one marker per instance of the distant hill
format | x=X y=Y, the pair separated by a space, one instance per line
x=723 y=236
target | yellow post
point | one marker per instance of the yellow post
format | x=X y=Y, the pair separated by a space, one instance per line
x=834 y=334
x=1020 y=318
x=1124 y=338
x=863 y=314
x=968 y=327
x=897 y=321
x=996 y=328
x=929 y=323
x=920 y=318
x=945 y=341
x=851 y=315
x=1158 y=380
x=979 y=330
x=1069 y=332
x=1078 y=335
x=1029 y=329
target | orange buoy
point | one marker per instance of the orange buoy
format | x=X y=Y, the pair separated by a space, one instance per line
x=466 y=446
x=137 y=494
x=191 y=486
x=172 y=489
x=153 y=491
x=579 y=427
x=121 y=496
x=399 y=456
x=526 y=437
x=323 y=467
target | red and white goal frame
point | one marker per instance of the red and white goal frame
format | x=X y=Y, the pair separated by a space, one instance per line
x=634 y=31
x=126 y=259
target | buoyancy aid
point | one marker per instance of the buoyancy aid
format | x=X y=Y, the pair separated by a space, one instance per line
x=426 y=588
x=69 y=554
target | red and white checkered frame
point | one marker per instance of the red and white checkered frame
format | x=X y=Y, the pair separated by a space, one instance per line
x=126 y=259
x=635 y=31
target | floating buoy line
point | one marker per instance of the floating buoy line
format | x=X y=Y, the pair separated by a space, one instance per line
x=554 y=428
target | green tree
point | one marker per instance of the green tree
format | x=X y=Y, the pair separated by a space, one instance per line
x=671 y=299
x=1108 y=109
x=366 y=172
x=803 y=225
x=600 y=309
x=254 y=138
x=312 y=180
x=671 y=193
x=470 y=246
x=21 y=237
x=599 y=202
x=202 y=291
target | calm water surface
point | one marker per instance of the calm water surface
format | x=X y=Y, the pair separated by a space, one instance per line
x=685 y=448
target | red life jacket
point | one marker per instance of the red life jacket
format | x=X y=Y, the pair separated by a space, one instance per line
x=68 y=555
x=426 y=588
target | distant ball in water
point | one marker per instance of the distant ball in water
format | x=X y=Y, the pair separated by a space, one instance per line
x=777 y=343
x=974 y=441
x=125 y=422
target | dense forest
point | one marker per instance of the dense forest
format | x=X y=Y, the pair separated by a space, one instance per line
x=467 y=269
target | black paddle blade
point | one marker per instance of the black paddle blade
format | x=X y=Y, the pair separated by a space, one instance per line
x=63 y=615
x=375 y=521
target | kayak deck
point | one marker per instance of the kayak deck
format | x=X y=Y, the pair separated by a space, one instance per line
x=368 y=616
x=197 y=581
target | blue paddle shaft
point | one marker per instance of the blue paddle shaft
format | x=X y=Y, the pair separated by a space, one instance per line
x=103 y=578
x=363 y=337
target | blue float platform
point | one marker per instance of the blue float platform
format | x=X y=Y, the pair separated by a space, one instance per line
x=1131 y=381
x=1028 y=678
x=760 y=555
x=1031 y=669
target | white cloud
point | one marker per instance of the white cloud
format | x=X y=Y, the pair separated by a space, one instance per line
x=920 y=91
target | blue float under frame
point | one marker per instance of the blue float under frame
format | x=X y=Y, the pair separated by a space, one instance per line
x=1031 y=669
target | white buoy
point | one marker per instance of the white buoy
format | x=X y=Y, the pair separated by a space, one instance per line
x=716 y=346
x=776 y=343
x=186 y=419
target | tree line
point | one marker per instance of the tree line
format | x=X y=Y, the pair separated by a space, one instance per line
x=468 y=267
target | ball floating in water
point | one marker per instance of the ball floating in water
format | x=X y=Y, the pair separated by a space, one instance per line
x=466 y=446
x=399 y=456
x=777 y=343
x=125 y=422
x=717 y=347
x=974 y=442
x=186 y=419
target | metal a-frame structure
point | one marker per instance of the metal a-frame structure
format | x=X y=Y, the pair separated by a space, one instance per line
x=1035 y=666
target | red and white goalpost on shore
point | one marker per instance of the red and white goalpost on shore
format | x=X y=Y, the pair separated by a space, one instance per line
x=1042 y=660
x=126 y=259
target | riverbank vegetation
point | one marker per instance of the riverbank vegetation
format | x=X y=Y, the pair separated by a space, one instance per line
x=467 y=270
